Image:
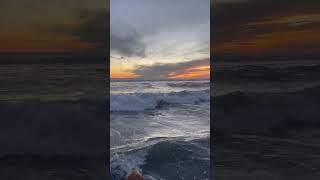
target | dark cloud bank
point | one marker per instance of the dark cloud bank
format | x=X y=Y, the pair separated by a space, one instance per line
x=92 y=27
x=129 y=45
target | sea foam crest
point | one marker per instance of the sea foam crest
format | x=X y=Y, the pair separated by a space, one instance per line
x=189 y=84
x=148 y=101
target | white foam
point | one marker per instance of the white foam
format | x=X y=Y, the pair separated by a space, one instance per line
x=122 y=165
x=195 y=84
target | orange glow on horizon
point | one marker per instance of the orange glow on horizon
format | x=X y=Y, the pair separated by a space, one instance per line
x=122 y=75
x=272 y=42
x=201 y=67
x=287 y=32
x=117 y=73
x=22 y=39
x=190 y=75
x=196 y=72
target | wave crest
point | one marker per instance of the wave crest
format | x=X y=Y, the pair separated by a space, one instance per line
x=148 y=101
x=189 y=84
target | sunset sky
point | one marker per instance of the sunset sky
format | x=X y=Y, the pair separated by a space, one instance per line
x=167 y=39
x=53 y=26
x=265 y=27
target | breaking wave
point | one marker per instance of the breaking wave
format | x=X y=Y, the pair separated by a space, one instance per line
x=189 y=84
x=148 y=101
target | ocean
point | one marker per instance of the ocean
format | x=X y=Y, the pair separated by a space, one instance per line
x=161 y=128
x=53 y=120
x=266 y=121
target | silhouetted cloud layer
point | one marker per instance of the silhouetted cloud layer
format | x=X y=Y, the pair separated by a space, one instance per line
x=92 y=28
x=168 y=70
x=265 y=26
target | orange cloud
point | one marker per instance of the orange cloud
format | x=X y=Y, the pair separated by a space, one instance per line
x=201 y=67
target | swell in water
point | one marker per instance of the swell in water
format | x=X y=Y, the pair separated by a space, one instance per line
x=167 y=159
x=265 y=112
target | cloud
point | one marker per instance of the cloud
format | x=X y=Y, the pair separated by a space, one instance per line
x=152 y=15
x=137 y=27
x=127 y=45
x=91 y=27
x=164 y=71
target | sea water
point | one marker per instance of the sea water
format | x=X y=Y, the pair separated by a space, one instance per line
x=161 y=128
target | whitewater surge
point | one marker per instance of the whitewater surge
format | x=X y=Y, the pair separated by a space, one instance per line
x=121 y=164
